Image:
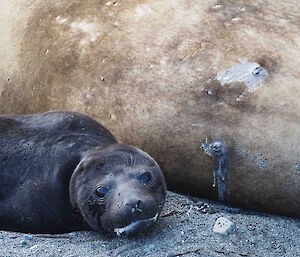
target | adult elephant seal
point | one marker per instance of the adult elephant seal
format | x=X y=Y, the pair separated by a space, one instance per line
x=60 y=170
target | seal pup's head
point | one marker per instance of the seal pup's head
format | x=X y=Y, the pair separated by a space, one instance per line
x=119 y=188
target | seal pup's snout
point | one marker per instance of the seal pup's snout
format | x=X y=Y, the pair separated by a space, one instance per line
x=138 y=211
x=136 y=206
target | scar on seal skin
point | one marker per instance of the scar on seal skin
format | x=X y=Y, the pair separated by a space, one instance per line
x=63 y=171
x=218 y=150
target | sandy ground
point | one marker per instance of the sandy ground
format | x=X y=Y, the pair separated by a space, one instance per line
x=185 y=229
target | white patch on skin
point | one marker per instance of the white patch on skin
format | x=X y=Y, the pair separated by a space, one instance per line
x=207 y=147
x=163 y=64
x=250 y=73
x=89 y=28
x=61 y=20
x=141 y=11
x=216 y=62
x=132 y=226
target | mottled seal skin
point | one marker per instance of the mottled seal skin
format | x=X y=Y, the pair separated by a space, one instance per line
x=155 y=74
x=63 y=171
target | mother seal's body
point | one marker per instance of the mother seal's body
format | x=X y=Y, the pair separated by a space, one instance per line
x=63 y=171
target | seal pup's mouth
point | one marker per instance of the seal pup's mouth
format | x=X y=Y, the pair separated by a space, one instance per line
x=135 y=225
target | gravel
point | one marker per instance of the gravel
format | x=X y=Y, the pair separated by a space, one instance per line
x=186 y=229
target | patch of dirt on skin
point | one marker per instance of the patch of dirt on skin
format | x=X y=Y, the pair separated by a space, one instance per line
x=185 y=229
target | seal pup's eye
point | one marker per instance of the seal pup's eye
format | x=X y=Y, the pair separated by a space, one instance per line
x=102 y=191
x=145 y=178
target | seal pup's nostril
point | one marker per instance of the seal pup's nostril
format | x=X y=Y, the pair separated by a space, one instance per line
x=136 y=207
x=139 y=206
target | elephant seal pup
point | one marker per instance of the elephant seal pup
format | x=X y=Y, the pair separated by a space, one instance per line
x=63 y=171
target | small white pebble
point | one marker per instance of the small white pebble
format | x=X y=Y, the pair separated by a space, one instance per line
x=23 y=243
x=223 y=226
x=33 y=247
x=108 y=3
x=189 y=211
x=28 y=237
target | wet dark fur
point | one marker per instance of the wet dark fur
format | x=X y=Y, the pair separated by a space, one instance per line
x=38 y=155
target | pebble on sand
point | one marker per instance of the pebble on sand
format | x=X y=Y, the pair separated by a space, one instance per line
x=223 y=226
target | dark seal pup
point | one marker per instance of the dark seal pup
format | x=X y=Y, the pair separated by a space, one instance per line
x=63 y=171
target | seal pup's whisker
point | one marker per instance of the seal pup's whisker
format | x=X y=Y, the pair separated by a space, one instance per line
x=134 y=225
x=131 y=160
x=134 y=160
x=123 y=157
x=126 y=161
